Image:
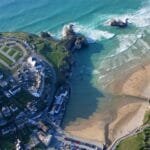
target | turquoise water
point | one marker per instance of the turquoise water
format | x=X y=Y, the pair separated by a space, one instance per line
x=90 y=18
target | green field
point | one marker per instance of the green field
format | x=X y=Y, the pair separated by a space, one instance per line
x=17 y=56
x=5 y=49
x=131 y=143
x=12 y=52
x=52 y=50
x=139 y=141
x=147 y=118
x=6 y=60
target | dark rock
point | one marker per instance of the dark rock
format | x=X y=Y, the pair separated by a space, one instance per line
x=45 y=35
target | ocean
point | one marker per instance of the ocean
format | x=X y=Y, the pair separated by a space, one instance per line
x=107 y=45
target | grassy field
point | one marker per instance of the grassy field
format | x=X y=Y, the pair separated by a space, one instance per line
x=6 y=60
x=147 y=118
x=52 y=50
x=132 y=143
x=17 y=56
x=5 y=49
x=12 y=52
x=139 y=141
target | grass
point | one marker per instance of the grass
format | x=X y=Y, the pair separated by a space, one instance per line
x=147 y=118
x=12 y=52
x=18 y=56
x=134 y=143
x=6 y=145
x=5 y=49
x=50 y=49
x=6 y=60
x=139 y=141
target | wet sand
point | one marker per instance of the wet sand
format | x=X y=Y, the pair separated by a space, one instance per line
x=128 y=118
x=116 y=120
x=138 y=83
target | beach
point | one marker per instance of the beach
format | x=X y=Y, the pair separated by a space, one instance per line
x=114 y=60
x=112 y=121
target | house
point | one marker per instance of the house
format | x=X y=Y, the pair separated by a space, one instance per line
x=20 y=123
x=44 y=138
x=31 y=106
x=7 y=94
x=5 y=131
x=18 y=145
x=13 y=108
x=32 y=61
x=33 y=142
x=42 y=126
x=6 y=111
x=20 y=126
x=3 y=83
x=15 y=90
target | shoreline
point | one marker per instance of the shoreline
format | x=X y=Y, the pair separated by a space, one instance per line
x=103 y=123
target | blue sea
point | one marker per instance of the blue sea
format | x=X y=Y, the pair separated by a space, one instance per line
x=90 y=18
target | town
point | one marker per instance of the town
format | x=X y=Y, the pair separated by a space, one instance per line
x=31 y=109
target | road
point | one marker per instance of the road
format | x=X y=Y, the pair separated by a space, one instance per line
x=132 y=133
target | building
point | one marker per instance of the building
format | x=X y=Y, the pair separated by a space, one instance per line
x=5 y=131
x=15 y=90
x=7 y=94
x=33 y=142
x=6 y=111
x=45 y=139
x=13 y=108
x=37 y=70
x=3 y=83
x=42 y=126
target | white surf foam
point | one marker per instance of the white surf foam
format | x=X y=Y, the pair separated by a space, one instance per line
x=125 y=41
x=140 y=18
x=95 y=72
x=91 y=33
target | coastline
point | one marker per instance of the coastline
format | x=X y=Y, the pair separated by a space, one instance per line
x=127 y=115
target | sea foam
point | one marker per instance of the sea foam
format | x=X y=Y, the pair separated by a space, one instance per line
x=125 y=41
x=139 y=18
x=92 y=34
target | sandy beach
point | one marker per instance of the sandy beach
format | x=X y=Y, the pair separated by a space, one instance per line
x=122 y=118
x=138 y=83
x=128 y=118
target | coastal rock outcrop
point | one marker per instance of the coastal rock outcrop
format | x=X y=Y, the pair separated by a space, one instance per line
x=119 y=23
x=72 y=40
x=45 y=35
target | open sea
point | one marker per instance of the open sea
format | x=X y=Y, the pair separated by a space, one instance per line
x=107 y=45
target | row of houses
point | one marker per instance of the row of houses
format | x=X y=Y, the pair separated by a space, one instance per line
x=37 y=68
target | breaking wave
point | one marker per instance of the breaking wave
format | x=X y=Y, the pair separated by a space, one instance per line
x=125 y=42
x=140 y=18
x=91 y=33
